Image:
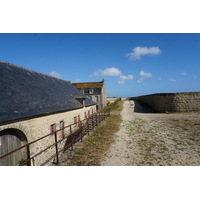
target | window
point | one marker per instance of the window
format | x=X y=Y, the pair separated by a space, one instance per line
x=79 y=121
x=85 y=115
x=96 y=98
x=83 y=103
x=52 y=129
x=75 y=120
x=90 y=91
x=82 y=91
x=61 y=129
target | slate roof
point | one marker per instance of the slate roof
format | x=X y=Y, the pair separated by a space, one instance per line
x=26 y=93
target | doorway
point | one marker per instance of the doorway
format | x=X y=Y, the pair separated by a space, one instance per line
x=11 y=139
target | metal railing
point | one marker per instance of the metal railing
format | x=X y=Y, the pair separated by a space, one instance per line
x=71 y=134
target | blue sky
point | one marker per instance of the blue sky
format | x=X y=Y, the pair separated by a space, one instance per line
x=131 y=63
x=172 y=66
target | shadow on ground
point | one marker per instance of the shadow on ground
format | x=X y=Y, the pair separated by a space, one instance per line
x=141 y=107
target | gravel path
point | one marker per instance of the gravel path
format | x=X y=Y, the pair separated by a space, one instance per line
x=155 y=139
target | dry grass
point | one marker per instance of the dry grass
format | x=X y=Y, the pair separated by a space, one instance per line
x=172 y=139
x=96 y=145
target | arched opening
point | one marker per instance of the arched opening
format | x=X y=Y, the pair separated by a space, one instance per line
x=11 y=139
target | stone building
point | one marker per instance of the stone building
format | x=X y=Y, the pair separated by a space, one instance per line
x=32 y=105
x=96 y=91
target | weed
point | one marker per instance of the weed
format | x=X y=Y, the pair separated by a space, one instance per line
x=96 y=145
x=164 y=149
x=150 y=163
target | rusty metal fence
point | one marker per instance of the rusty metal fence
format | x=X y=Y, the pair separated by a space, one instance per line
x=70 y=135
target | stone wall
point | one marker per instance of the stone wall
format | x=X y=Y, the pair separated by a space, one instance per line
x=172 y=102
x=36 y=128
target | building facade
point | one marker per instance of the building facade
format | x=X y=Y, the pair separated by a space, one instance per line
x=96 y=91
x=33 y=105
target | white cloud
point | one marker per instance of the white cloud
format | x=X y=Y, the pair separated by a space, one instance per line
x=129 y=77
x=173 y=80
x=183 y=73
x=55 y=74
x=113 y=72
x=122 y=79
x=142 y=51
x=107 y=72
x=144 y=76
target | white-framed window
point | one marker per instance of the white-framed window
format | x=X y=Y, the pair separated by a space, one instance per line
x=90 y=91
x=96 y=98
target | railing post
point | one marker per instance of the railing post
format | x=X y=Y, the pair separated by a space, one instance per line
x=71 y=137
x=56 y=145
x=93 y=122
x=88 y=127
x=28 y=156
x=81 y=133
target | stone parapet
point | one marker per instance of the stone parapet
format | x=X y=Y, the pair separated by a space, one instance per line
x=172 y=102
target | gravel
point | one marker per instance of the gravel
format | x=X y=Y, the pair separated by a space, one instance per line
x=155 y=139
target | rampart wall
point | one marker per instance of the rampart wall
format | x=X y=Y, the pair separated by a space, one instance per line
x=172 y=102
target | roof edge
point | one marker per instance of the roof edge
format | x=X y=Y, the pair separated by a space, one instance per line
x=33 y=71
x=41 y=115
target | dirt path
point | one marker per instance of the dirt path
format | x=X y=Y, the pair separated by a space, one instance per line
x=155 y=139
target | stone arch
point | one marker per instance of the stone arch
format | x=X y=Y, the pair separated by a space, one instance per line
x=11 y=139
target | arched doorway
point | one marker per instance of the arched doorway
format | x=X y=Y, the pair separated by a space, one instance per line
x=11 y=139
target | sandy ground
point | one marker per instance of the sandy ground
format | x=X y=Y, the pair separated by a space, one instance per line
x=111 y=100
x=155 y=139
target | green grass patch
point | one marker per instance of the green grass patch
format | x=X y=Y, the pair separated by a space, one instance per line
x=99 y=141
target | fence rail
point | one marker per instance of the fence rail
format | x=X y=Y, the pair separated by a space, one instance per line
x=72 y=134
